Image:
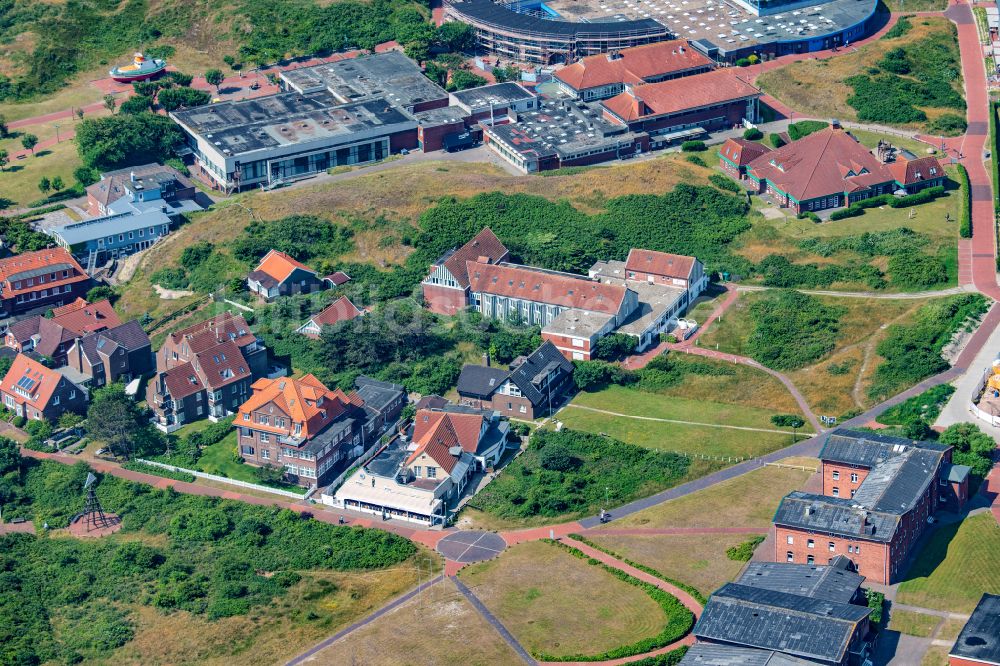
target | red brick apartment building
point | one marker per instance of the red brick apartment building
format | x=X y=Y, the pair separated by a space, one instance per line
x=52 y=336
x=533 y=385
x=878 y=494
x=31 y=390
x=306 y=428
x=446 y=287
x=40 y=280
x=979 y=642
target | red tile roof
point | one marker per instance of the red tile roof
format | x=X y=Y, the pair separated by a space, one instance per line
x=221 y=365
x=182 y=381
x=340 y=310
x=909 y=172
x=485 y=244
x=208 y=333
x=338 y=278
x=676 y=95
x=279 y=266
x=827 y=162
x=544 y=287
x=39 y=382
x=660 y=263
x=32 y=265
x=466 y=427
x=304 y=400
x=83 y=317
x=633 y=65
x=741 y=152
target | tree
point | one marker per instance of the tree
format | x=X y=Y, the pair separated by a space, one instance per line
x=57 y=184
x=172 y=99
x=115 y=141
x=457 y=36
x=109 y=103
x=231 y=61
x=115 y=419
x=214 y=77
x=136 y=104
x=4 y=159
x=508 y=73
x=29 y=141
x=44 y=185
x=100 y=293
x=10 y=456
x=4 y=130
x=86 y=175
x=613 y=347
x=788 y=421
x=461 y=79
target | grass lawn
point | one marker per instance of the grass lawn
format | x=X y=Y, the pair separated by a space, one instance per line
x=556 y=603
x=914 y=624
x=19 y=180
x=950 y=630
x=706 y=303
x=696 y=560
x=839 y=381
x=958 y=564
x=396 y=637
x=749 y=501
x=936 y=655
x=219 y=459
x=307 y=614
x=795 y=84
x=400 y=194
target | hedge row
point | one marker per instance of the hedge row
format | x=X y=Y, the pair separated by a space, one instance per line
x=155 y=470
x=671 y=658
x=965 y=224
x=892 y=201
x=680 y=620
x=642 y=567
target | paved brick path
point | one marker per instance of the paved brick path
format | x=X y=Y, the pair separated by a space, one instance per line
x=494 y=622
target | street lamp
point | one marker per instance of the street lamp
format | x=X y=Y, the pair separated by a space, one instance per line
x=57 y=132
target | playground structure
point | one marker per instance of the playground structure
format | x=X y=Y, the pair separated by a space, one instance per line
x=93 y=521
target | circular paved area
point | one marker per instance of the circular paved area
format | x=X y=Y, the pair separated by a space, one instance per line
x=471 y=546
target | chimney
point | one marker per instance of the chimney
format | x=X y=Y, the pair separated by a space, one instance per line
x=131 y=176
x=486 y=358
x=79 y=354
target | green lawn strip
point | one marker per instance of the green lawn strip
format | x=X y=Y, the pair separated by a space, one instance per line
x=691 y=440
x=220 y=459
x=631 y=402
x=958 y=564
x=925 y=406
x=680 y=620
x=913 y=624
x=699 y=597
x=146 y=468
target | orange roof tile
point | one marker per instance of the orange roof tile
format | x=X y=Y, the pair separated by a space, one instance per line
x=304 y=400
x=660 y=263
x=340 y=310
x=82 y=317
x=279 y=265
x=545 y=287
x=32 y=265
x=676 y=95
x=38 y=382
x=741 y=152
x=632 y=65
x=909 y=172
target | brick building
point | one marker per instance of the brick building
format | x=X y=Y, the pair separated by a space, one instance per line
x=205 y=371
x=120 y=353
x=31 y=390
x=530 y=388
x=52 y=336
x=777 y=613
x=979 y=642
x=279 y=274
x=446 y=287
x=831 y=169
x=305 y=428
x=608 y=74
x=735 y=156
x=39 y=280
x=878 y=494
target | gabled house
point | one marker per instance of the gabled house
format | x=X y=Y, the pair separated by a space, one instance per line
x=31 y=390
x=446 y=288
x=139 y=184
x=279 y=274
x=121 y=353
x=663 y=268
x=52 y=336
x=422 y=474
x=736 y=154
x=36 y=281
x=307 y=429
x=340 y=310
x=529 y=389
x=205 y=371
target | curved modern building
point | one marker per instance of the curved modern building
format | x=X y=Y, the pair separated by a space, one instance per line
x=551 y=32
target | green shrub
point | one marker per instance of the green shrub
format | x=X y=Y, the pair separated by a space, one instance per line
x=695 y=159
x=876 y=601
x=753 y=134
x=901 y=241
x=844 y=213
x=693 y=146
x=775 y=140
x=902 y=27
x=920 y=271
x=19 y=421
x=778 y=271
x=744 y=552
x=926 y=406
x=146 y=468
x=743 y=62
x=808 y=215
x=792 y=329
x=948 y=124
x=724 y=183
x=171 y=278
x=804 y=128
x=965 y=221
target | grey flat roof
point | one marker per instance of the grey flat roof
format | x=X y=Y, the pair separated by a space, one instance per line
x=100 y=227
x=285 y=119
x=377 y=394
x=980 y=638
x=578 y=323
x=487 y=11
x=386 y=463
x=389 y=75
x=499 y=94
x=819 y=581
x=440 y=116
x=789 y=623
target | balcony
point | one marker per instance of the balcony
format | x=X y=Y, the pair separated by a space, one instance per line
x=291 y=440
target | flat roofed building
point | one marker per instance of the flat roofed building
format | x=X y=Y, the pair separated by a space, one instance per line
x=497 y=99
x=268 y=140
x=608 y=74
x=115 y=235
x=390 y=76
x=979 y=642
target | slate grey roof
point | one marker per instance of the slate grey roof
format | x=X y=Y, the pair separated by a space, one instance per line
x=709 y=654
x=867 y=449
x=128 y=335
x=897 y=484
x=377 y=394
x=480 y=381
x=789 y=623
x=819 y=581
x=834 y=515
x=956 y=473
x=980 y=638
x=530 y=375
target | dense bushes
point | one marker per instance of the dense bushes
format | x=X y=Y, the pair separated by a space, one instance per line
x=724 y=183
x=912 y=352
x=744 y=552
x=901 y=241
x=680 y=620
x=693 y=146
x=792 y=329
x=528 y=489
x=176 y=97
x=775 y=140
x=965 y=221
x=115 y=141
x=804 y=128
x=753 y=134
x=973 y=447
x=155 y=470
x=301 y=236
x=925 y=407
x=218 y=559
x=844 y=213
x=778 y=271
x=919 y=271
x=902 y=27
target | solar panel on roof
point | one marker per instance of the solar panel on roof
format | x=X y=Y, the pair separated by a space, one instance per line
x=26 y=382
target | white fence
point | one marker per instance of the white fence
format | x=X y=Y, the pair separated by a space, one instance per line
x=232 y=482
